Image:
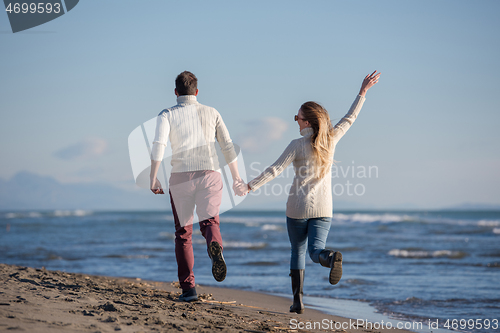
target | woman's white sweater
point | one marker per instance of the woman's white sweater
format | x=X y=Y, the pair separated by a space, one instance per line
x=309 y=196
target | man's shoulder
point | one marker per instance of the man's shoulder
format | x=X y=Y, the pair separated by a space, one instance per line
x=207 y=108
x=169 y=110
x=163 y=112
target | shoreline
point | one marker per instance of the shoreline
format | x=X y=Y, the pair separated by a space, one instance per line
x=39 y=300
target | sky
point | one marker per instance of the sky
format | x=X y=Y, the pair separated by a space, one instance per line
x=73 y=89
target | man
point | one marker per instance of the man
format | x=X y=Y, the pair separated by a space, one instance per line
x=195 y=181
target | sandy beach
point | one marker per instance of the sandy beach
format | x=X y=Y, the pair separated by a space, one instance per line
x=38 y=300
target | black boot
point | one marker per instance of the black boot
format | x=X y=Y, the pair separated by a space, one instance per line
x=333 y=260
x=219 y=268
x=297 y=284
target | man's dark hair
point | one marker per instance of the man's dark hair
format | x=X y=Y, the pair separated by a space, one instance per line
x=186 y=83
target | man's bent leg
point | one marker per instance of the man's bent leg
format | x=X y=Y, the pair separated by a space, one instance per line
x=208 y=200
x=210 y=229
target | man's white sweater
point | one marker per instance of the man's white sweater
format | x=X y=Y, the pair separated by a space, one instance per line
x=192 y=129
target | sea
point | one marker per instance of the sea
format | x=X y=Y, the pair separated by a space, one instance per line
x=410 y=266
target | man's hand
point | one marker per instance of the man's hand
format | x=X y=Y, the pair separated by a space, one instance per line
x=239 y=187
x=156 y=186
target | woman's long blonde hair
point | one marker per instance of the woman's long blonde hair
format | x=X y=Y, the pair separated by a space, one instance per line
x=322 y=138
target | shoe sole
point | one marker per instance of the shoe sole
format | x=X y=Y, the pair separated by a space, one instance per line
x=188 y=299
x=298 y=311
x=336 y=270
x=218 y=264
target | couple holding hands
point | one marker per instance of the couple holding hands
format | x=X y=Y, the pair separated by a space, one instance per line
x=192 y=129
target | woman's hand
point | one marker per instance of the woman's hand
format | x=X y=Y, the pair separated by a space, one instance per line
x=239 y=187
x=369 y=81
x=156 y=186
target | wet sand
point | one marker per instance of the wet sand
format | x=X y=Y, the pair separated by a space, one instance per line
x=38 y=300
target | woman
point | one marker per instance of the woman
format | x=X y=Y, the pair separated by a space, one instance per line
x=309 y=206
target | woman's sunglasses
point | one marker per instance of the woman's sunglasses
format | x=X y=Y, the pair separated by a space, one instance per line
x=297 y=118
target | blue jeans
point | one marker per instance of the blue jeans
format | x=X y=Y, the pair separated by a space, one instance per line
x=307 y=233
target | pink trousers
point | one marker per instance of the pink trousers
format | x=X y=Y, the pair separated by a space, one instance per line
x=203 y=190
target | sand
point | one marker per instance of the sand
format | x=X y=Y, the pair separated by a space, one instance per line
x=38 y=300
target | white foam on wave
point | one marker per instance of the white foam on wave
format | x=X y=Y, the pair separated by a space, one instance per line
x=496 y=230
x=245 y=245
x=80 y=212
x=272 y=227
x=56 y=213
x=253 y=220
x=370 y=218
x=22 y=215
x=76 y=212
x=489 y=223
x=62 y=213
x=426 y=254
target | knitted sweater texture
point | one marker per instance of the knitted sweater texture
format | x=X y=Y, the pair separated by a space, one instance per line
x=192 y=129
x=309 y=196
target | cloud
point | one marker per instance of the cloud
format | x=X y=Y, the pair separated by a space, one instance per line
x=259 y=133
x=86 y=148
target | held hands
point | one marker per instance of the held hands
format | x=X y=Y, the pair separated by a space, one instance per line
x=369 y=81
x=239 y=187
x=156 y=186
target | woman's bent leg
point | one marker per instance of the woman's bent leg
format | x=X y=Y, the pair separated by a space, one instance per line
x=317 y=232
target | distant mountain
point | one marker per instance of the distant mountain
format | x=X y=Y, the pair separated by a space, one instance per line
x=29 y=191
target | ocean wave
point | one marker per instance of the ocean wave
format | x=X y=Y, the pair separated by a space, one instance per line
x=37 y=214
x=167 y=235
x=52 y=256
x=409 y=300
x=122 y=256
x=272 y=227
x=488 y=223
x=496 y=230
x=262 y=263
x=418 y=254
x=358 y=281
x=449 y=302
x=371 y=218
x=21 y=215
x=414 y=218
x=251 y=225
x=245 y=245
x=77 y=212
x=494 y=254
x=450 y=263
x=199 y=241
x=253 y=220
